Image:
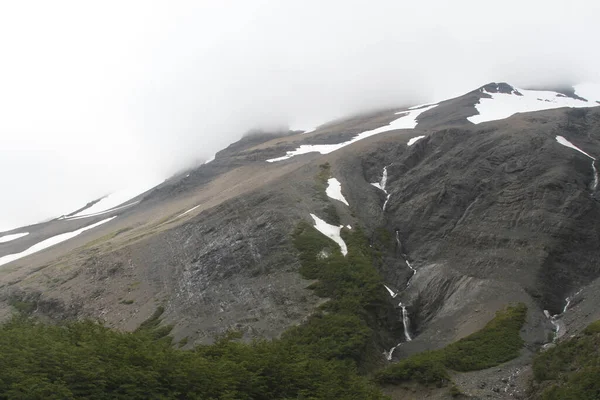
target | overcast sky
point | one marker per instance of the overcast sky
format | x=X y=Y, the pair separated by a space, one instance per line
x=96 y=95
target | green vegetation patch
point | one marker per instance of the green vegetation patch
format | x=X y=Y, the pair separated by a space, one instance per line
x=571 y=370
x=499 y=341
x=24 y=307
x=321 y=180
x=152 y=326
x=86 y=360
x=320 y=359
x=345 y=327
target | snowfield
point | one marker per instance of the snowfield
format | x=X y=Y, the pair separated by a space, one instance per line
x=14 y=236
x=44 y=244
x=408 y=120
x=334 y=190
x=331 y=231
x=502 y=105
x=111 y=201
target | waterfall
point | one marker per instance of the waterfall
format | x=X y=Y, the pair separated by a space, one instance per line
x=382 y=184
x=555 y=319
x=383 y=179
x=595 y=184
x=552 y=319
x=405 y=322
x=388 y=354
x=568 y=300
x=414 y=271
x=387 y=198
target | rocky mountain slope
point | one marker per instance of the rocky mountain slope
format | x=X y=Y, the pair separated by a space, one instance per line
x=471 y=206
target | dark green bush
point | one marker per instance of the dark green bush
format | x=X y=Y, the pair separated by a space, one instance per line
x=86 y=360
x=318 y=359
x=571 y=370
x=498 y=342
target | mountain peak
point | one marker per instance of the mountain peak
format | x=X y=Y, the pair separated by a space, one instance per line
x=501 y=87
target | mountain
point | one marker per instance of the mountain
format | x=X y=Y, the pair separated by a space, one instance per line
x=468 y=205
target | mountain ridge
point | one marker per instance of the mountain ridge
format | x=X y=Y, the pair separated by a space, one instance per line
x=486 y=213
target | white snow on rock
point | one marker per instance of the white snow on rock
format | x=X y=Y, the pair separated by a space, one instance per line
x=188 y=211
x=408 y=120
x=81 y=216
x=414 y=140
x=565 y=142
x=331 y=231
x=334 y=190
x=381 y=186
x=503 y=105
x=117 y=198
x=210 y=159
x=44 y=244
x=422 y=105
x=391 y=292
x=14 y=236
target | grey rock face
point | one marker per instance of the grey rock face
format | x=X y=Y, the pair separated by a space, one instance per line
x=486 y=215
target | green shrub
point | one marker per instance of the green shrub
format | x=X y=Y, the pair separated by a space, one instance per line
x=321 y=181
x=86 y=360
x=319 y=359
x=330 y=215
x=455 y=391
x=353 y=286
x=499 y=341
x=571 y=369
x=23 y=307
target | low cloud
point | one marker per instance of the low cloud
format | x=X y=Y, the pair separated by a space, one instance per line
x=95 y=96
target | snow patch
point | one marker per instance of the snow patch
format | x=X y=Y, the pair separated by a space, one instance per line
x=44 y=244
x=408 y=120
x=334 y=190
x=566 y=143
x=503 y=105
x=414 y=140
x=391 y=292
x=186 y=212
x=331 y=231
x=11 y=237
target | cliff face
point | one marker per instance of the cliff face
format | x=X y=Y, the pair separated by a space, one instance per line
x=470 y=218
